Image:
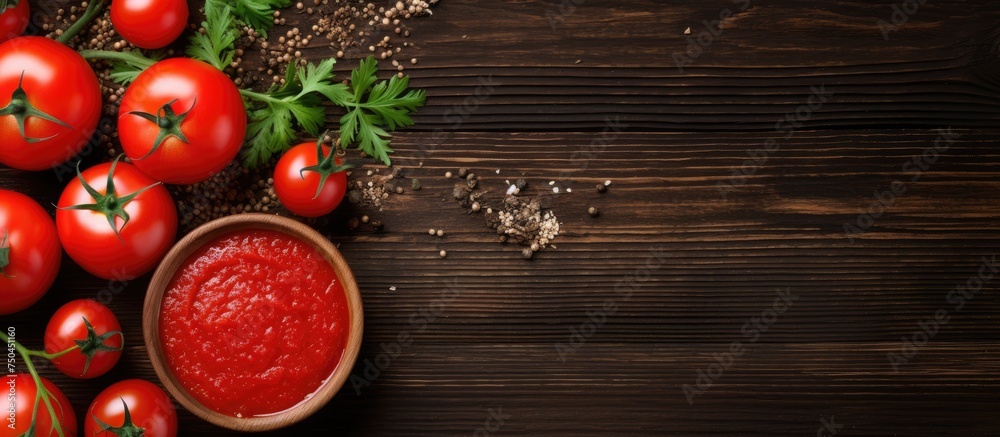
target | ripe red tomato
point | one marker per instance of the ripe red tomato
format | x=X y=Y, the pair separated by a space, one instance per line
x=182 y=121
x=143 y=213
x=150 y=24
x=30 y=253
x=95 y=332
x=50 y=102
x=299 y=174
x=149 y=408
x=24 y=389
x=13 y=19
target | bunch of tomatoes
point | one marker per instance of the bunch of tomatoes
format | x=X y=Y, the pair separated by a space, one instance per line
x=180 y=122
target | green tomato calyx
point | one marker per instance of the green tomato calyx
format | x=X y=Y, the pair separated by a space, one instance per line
x=128 y=429
x=94 y=343
x=109 y=204
x=326 y=165
x=21 y=109
x=169 y=123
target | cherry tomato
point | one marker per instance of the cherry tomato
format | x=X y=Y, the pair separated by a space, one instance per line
x=50 y=102
x=95 y=333
x=182 y=121
x=24 y=389
x=30 y=253
x=13 y=18
x=149 y=408
x=150 y=24
x=299 y=174
x=143 y=213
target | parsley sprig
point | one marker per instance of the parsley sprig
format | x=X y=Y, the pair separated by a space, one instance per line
x=372 y=106
x=298 y=103
x=215 y=46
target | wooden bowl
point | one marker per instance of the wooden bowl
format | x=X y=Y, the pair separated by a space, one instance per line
x=207 y=233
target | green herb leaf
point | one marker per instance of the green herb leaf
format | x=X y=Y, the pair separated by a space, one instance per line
x=297 y=104
x=127 y=65
x=215 y=46
x=375 y=106
x=258 y=14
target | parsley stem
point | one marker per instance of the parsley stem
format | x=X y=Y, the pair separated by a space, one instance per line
x=93 y=9
x=126 y=57
x=260 y=97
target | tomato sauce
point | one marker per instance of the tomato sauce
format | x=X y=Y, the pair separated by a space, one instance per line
x=253 y=323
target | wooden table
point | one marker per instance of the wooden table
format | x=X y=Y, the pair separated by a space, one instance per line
x=795 y=194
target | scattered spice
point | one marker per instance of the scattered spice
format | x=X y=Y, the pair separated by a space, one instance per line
x=602 y=188
x=443 y=253
x=415 y=185
x=593 y=211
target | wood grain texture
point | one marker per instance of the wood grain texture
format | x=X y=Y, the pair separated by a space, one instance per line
x=688 y=254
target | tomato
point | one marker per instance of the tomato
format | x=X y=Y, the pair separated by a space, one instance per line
x=309 y=180
x=25 y=389
x=92 y=330
x=148 y=409
x=30 y=252
x=50 y=102
x=182 y=121
x=14 y=18
x=142 y=212
x=150 y=24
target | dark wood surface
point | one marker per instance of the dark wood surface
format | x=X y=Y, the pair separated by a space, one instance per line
x=701 y=260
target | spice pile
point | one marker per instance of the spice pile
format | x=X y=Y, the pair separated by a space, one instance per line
x=343 y=27
x=516 y=219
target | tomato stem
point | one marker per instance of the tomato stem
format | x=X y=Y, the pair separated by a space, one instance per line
x=41 y=393
x=93 y=9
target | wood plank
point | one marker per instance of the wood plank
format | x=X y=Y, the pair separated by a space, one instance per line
x=938 y=69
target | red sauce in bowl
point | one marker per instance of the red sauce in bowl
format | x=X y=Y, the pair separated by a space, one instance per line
x=253 y=323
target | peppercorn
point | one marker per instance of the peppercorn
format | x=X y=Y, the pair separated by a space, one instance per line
x=527 y=253
x=593 y=211
x=378 y=226
x=462 y=172
x=602 y=188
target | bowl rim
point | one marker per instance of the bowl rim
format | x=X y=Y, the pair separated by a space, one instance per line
x=206 y=233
